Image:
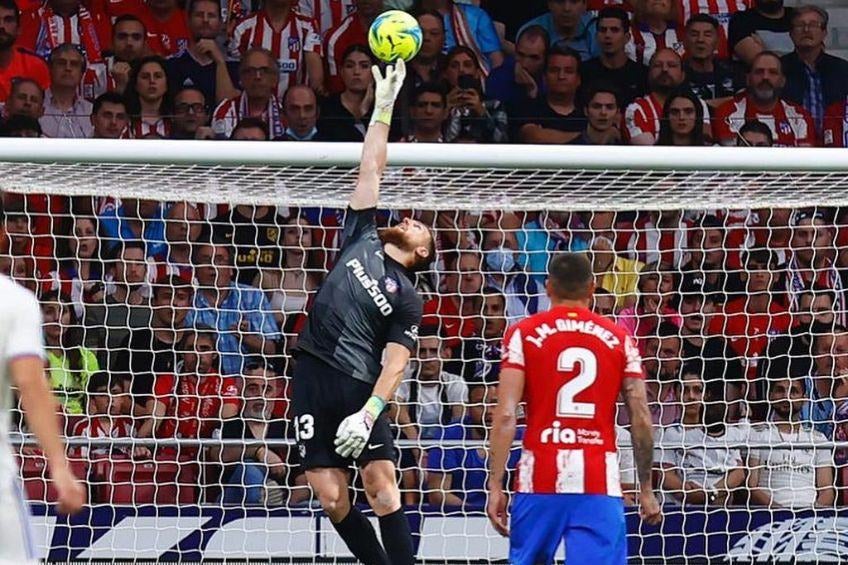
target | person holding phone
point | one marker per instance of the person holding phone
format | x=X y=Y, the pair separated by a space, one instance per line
x=472 y=118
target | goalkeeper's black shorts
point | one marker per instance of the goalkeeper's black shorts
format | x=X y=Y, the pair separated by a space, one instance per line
x=323 y=396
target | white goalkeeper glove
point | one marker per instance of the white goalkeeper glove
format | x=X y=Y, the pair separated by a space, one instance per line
x=354 y=431
x=386 y=90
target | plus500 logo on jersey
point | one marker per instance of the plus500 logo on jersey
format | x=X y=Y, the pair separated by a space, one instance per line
x=371 y=287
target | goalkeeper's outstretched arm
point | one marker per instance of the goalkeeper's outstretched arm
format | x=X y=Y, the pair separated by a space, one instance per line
x=386 y=90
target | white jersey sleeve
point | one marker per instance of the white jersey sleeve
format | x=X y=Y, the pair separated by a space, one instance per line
x=23 y=326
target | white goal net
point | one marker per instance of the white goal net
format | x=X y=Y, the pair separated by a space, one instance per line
x=174 y=279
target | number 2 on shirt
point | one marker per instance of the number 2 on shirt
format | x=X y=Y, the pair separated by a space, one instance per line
x=566 y=406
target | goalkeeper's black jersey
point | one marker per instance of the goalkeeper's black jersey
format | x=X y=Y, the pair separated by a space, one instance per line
x=366 y=301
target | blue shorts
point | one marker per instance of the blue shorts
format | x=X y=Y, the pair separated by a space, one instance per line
x=591 y=525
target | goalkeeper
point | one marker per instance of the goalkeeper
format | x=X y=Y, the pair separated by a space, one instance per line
x=341 y=381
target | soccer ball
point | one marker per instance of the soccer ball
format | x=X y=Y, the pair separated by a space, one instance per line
x=395 y=34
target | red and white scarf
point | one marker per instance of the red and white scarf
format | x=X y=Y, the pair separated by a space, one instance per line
x=465 y=36
x=49 y=36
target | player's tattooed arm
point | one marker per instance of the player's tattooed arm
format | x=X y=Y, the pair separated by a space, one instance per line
x=641 y=432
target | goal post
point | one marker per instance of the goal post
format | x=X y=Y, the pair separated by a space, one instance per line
x=677 y=236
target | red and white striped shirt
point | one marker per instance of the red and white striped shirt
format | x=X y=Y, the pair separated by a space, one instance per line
x=139 y=129
x=42 y=30
x=120 y=427
x=644 y=114
x=574 y=362
x=790 y=124
x=721 y=10
x=651 y=244
x=835 y=128
x=327 y=13
x=228 y=113
x=297 y=37
x=349 y=32
x=644 y=43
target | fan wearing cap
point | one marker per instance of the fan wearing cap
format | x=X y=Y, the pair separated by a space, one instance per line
x=719 y=361
x=812 y=261
x=708 y=259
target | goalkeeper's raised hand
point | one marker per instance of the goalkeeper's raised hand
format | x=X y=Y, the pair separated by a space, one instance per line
x=354 y=431
x=386 y=90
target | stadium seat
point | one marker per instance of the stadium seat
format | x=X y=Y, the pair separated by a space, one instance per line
x=124 y=481
x=37 y=483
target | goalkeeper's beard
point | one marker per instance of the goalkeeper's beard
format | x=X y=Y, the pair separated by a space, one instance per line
x=397 y=237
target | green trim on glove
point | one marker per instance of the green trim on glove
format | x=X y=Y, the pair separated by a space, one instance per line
x=375 y=406
x=382 y=116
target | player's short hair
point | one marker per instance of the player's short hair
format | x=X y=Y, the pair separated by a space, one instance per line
x=251 y=122
x=570 y=276
x=760 y=256
x=702 y=19
x=430 y=88
x=692 y=367
x=616 y=13
x=667 y=329
x=602 y=87
x=563 y=51
x=762 y=54
x=98 y=380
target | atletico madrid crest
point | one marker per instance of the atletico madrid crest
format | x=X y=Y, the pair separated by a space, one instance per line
x=390 y=284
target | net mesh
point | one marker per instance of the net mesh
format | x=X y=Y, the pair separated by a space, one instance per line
x=731 y=283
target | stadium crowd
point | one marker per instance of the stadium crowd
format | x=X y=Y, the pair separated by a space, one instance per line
x=179 y=320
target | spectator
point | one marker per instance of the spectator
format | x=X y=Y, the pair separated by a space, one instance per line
x=353 y=30
x=203 y=64
x=69 y=363
x=814 y=79
x=790 y=123
x=129 y=45
x=191 y=115
x=109 y=118
x=706 y=475
x=653 y=306
x=482 y=350
x=183 y=227
x=555 y=117
x=643 y=117
x=152 y=350
x=344 y=116
x=603 y=115
x=425 y=66
x=106 y=418
x=260 y=77
x=721 y=12
x=654 y=27
x=26 y=99
x=471 y=117
x=618 y=275
x=15 y=60
x=194 y=401
x=812 y=261
x=457 y=476
x=661 y=361
x=719 y=361
x=66 y=114
x=765 y=27
x=453 y=307
x=469 y=26
x=135 y=219
x=255 y=233
x=603 y=303
x=80 y=275
x=429 y=114
x=45 y=27
x=288 y=38
x=250 y=129
x=168 y=33
x=521 y=75
x=150 y=103
x=256 y=469
x=240 y=313
x=300 y=112
x=327 y=13
x=659 y=237
x=707 y=265
x=834 y=130
x=20 y=126
x=830 y=365
x=749 y=321
x=291 y=281
x=524 y=294
x=125 y=307
x=797 y=478
x=754 y=134
x=709 y=75
x=429 y=397
x=612 y=63
x=684 y=116
x=567 y=23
